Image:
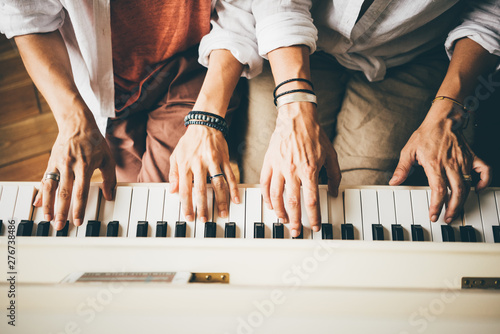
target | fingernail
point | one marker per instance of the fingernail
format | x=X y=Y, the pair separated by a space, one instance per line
x=237 y=200
x=203 y=219
x=189 y=218
x=77 y=222
x=223 y=213
x=48 y=217
x=448 y=220
x=294 y=233
x=59 y=225
x=315 y=228
x=269 y=206
x=434 y=218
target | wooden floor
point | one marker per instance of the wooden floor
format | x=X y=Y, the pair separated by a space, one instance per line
x=28 y=129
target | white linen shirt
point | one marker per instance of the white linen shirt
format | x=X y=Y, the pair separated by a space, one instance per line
x=390 y=33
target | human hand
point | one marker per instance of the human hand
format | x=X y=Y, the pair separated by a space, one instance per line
x=200 y=151
x=79 y=149
x=297 y=150
x=439 y=147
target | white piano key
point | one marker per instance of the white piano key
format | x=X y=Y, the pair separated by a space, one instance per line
x=369 y=210
x=106 y=209
x=404 y=215
x=352 y=204
x=154 y=214
x=253 y=210
x=190 y=225
x=121 y=209
x=420 y=207
x=307 y=232
x=336 y=214
x=200 y=226
x=138 y=209
x=237 y=213
x=7 y=205
x=91 y=212
x=171 y=211
x=387 y=211
x=472 y=215
x=24 y=204
x=268 y=218
x=489 y=213
x=437 y=232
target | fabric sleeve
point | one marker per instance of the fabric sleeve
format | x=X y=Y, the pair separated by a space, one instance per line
x=30 y=16
x=481 y=23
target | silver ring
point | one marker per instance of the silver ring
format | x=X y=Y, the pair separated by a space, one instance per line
x=52 y=176
x=216 y=175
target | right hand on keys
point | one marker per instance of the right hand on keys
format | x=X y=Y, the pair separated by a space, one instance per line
x=78 y=150
x=297 y=151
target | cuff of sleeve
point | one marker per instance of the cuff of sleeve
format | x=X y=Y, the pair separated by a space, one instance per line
x=243 y=51
x=285 y=29
x=15 y=24
x=488 y=42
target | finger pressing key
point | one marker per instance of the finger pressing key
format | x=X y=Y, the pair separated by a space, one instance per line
x=64 y=198
x=220 y=190
x=276 y=192
x=438 y=191
x=200 y=194
x=459 y=192
x=185 y=193
x=293 y=206
x=49 y=196
x=82 y=184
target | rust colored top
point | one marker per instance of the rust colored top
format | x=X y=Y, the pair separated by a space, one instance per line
x=145 y=33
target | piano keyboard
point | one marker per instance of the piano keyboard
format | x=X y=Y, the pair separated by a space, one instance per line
x=369 y=213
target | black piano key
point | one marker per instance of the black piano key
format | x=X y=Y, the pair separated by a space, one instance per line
x=417 y=233
x=25 y=228
x=258 y=231
x=210 y=230
x=397 y=232
x=347 y=231
x=1 y=225
x=326 y=231
x=93 y=228
x=64 y=231
x=142 y=229
x=161 y=229
x=112 y=230
x=467 y=234
x=42 y=230
x=447 y=233
x=180 y=229
x=230 y=230
x=378 y=232
x=278 y=231
x=301 y=234
x=496 y=234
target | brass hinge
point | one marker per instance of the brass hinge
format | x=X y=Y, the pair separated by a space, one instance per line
x=209 y=278
x=481 y=283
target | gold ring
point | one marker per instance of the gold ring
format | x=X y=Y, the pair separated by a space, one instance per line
x=467 y=178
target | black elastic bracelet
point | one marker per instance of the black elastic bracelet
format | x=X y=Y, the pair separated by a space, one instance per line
x=221 y=128
x=291 y=91
x=291 y=80
x=205 y=116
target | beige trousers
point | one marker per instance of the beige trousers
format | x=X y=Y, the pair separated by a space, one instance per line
x=368 y=122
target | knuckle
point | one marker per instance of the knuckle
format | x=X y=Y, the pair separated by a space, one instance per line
x=440 y=190
x=80 y=194
x=64 y=194
x=293 y=202
x=276 y=195
x=311 y=202
x=309 y=171
x=49 y=186
x=218 y=185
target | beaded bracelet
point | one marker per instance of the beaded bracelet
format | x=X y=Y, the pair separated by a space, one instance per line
x=290 y=92
x=291 y=80
x=205 y=116
x=215 y=126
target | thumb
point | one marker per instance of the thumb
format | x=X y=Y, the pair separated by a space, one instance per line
x=402 y=171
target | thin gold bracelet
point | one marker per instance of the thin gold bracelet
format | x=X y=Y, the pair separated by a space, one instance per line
x=452 y=100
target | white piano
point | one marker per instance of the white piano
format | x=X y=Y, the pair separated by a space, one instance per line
x=136 y=265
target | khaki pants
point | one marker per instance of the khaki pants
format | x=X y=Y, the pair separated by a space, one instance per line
x=368 y=122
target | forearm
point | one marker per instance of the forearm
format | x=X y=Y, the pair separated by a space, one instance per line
x=222 y=77
x=469 y=62
x=47 y=62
